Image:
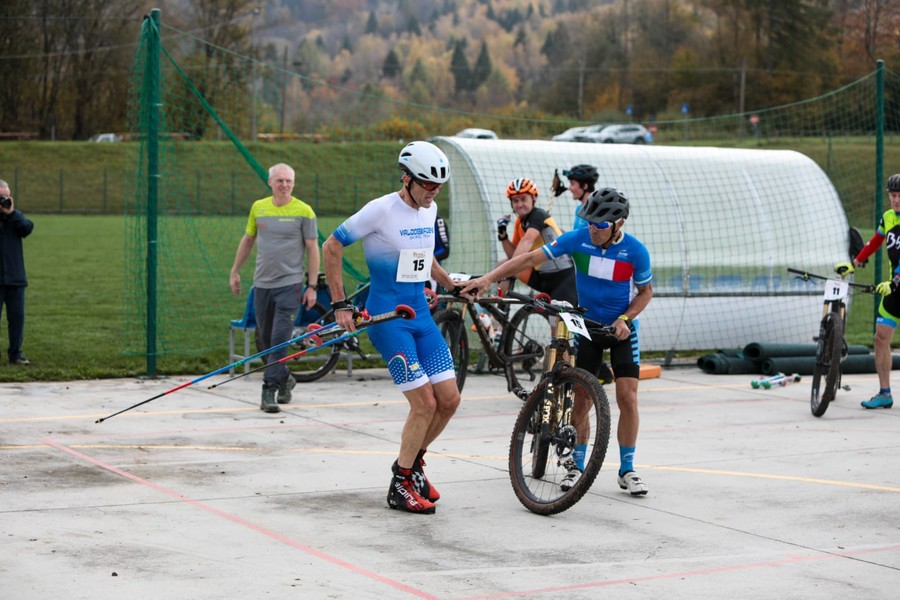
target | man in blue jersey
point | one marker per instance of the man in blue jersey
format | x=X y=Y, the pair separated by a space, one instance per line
x=614 y=285
x=397 y=232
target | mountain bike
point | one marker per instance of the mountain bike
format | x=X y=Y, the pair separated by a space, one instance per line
x=567 y=408
x=518 y=351
x=831 y=347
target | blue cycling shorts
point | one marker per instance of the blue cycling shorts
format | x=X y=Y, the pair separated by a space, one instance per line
x=415 y=351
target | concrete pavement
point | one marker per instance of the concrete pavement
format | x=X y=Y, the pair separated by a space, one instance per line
x=201 y=495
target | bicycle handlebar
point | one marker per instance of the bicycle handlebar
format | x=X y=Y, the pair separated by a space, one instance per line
x=806 y=276
x=542 y=302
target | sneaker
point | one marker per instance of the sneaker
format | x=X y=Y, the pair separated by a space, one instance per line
x=420 y=481
x=21 y=361
x=402 y=495
x=268 y=403
x=631 y=482
x=571 y=476
x=284 y=390
x=878 y=401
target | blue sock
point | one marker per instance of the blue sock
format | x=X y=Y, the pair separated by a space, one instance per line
x=626 y=459
x=578 y=455
x=885 y=391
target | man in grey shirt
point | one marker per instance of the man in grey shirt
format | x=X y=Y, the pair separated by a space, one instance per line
x=285 y=228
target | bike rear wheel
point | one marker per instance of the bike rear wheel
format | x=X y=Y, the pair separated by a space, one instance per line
x=524 y=344
x=318 y=363
x=536 y=462
x=827 y=370
x=452 y=324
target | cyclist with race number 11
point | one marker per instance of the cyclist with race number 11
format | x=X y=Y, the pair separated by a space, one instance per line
x=889 y=310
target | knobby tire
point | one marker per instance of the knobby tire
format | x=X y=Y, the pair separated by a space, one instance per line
x=452 y=325
x=524 y=343
x=537 y=486
x=828 y=363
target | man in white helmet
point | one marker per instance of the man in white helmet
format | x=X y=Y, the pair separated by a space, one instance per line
x=397 y=231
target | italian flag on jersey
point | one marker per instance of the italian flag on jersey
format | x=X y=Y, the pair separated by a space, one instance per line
x=603 y=268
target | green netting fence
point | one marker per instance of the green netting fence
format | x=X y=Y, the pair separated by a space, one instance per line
x=207 y=122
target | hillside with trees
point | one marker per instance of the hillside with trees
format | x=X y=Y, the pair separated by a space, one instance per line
x=67 y=62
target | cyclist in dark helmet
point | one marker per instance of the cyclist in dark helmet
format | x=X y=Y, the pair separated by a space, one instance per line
x=614 y=285
x=582 y=181
x=889 y=310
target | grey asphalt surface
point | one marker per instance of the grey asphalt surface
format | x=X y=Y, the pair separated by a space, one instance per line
x=201 y=495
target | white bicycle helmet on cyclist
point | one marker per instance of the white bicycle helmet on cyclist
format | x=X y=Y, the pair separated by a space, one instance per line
x=425 y=161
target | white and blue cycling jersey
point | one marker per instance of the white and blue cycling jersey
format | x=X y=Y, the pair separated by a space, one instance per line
x=392 y=231
x=398 y=244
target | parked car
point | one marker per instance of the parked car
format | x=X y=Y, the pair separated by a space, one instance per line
x=105 y=137
x=569 y=135
x=579 y=134
x=631 y=133
x=478 y=134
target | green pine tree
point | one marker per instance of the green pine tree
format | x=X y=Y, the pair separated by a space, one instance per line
x=483 y=67
x=372 y=23
x=459 y=67
x=391 y=67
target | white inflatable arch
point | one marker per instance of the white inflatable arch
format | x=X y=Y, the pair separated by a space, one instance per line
x=722 y=226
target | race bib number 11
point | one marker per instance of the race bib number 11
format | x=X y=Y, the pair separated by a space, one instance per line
x=414 y=265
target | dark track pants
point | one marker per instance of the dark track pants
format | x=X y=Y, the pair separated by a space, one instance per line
x=276 y=309
x=13 y=297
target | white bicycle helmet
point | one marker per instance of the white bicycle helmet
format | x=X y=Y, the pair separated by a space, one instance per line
x=425 y=162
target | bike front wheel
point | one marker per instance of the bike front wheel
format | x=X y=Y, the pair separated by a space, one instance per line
x=539 y=457
x=452 y=324
x=524 y=344
x=827 y=370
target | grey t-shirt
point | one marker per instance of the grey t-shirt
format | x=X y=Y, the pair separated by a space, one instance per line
x=281 y=233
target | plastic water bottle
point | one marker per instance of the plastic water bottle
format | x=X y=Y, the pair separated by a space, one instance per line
x=486 y=323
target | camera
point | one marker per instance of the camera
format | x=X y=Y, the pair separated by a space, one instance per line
x=5 y=201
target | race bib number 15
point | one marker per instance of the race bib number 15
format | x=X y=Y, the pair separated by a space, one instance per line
x=414 y=265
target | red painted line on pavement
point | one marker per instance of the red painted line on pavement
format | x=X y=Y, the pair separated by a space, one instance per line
x=242 y=522
x=791 y=559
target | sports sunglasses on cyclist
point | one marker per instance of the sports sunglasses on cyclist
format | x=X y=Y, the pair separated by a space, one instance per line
x=428 y=186
x=603 y=225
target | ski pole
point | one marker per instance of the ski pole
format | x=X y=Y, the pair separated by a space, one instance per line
x=398 y=314
x=392 y=314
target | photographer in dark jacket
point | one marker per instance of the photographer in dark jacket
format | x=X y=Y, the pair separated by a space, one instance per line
x=13 y=227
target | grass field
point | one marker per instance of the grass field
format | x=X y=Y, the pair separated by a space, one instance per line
x=76 y=308
x=76 y=301
x=75 y=325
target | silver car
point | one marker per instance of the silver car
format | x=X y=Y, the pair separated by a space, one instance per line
x=622 y=134
x=579 y=134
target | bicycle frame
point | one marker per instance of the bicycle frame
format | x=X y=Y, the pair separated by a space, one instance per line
x=525 y=357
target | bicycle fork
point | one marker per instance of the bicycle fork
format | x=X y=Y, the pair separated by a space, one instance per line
x=552 y=410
